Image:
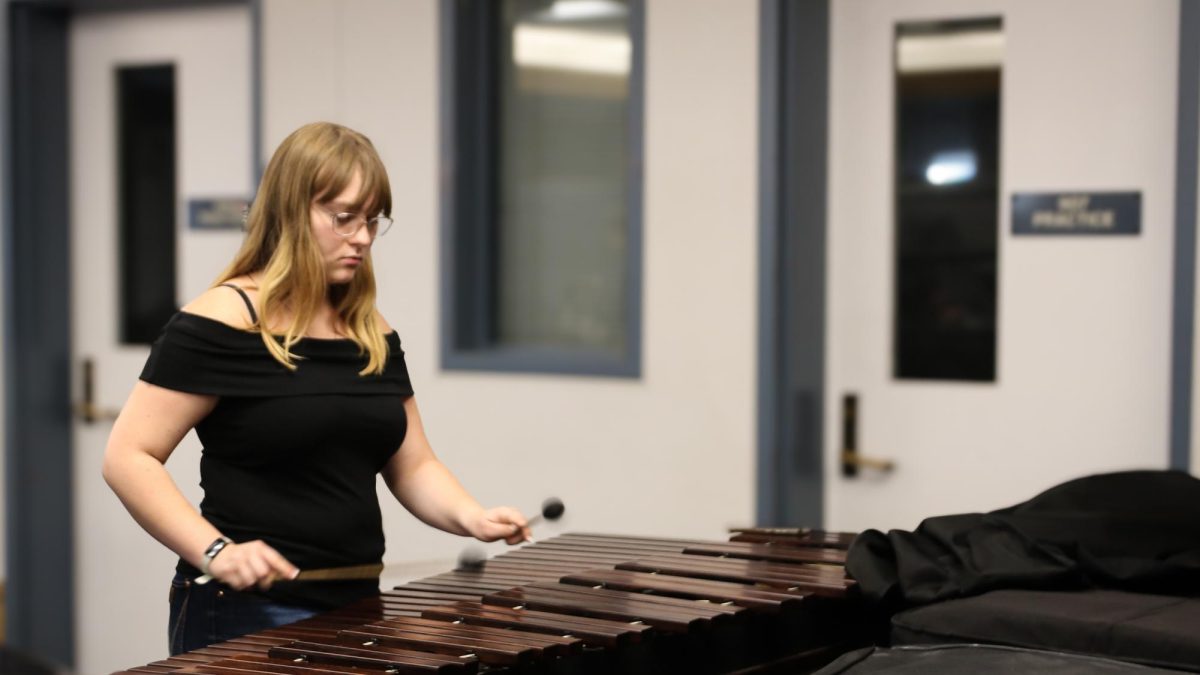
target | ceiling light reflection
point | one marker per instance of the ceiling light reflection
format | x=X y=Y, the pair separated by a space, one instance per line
x=951 y=168
x=571 y=49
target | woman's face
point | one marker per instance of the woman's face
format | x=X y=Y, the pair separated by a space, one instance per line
x=342 y=255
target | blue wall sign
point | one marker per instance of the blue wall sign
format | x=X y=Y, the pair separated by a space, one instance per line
x=1094 y=213
x=221 y=213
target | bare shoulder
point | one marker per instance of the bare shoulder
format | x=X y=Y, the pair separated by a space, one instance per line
x=225 y=304
x=382 y=322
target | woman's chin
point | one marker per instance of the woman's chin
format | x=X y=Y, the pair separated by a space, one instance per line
x=340 y=277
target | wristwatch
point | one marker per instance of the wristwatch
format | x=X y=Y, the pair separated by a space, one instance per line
x=212 y=551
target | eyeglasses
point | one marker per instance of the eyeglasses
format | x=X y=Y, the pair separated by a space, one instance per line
x=348 y=224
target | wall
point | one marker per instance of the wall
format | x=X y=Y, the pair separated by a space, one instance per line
x=668 y=454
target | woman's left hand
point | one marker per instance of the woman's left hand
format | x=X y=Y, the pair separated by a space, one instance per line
x=501 y=522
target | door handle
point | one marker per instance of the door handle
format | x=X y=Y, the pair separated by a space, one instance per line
x=87 y=410
x=851 y=460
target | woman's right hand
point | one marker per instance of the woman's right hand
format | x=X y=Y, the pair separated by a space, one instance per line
x=251 y=563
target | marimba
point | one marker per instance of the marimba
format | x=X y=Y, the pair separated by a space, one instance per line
x=769 y=600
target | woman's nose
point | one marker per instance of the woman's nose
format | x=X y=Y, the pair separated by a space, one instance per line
x=362 y=236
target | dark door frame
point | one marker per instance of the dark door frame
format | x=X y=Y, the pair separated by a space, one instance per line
x=37 y=324
x=794 y=103
x=1183 y=306
x=793 y=131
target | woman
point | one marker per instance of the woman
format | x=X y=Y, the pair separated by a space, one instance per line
x=298 y=390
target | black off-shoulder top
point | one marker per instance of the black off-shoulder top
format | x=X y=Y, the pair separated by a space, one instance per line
x=290 y=457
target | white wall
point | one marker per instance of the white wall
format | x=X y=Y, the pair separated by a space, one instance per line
x=670 y=453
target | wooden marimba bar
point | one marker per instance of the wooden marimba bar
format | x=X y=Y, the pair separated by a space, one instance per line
x=767 y=601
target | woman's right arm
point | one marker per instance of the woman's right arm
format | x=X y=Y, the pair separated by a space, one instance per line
x=151 y=424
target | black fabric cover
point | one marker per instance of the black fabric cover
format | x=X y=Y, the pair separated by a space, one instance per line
x=977 y=660
x=1152 y=629
x=1136 y=531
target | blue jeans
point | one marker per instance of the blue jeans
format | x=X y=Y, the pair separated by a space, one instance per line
x=202 y=615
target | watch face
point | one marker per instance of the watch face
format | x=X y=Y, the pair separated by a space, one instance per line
x=215 y=547
x=212 y=551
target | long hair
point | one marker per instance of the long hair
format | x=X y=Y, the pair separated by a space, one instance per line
x=315 y=163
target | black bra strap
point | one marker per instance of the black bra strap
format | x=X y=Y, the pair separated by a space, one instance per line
x=249 y=305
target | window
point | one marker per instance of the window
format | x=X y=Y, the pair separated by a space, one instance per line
x=146 y=146
x=947 y=199
x=542 y=205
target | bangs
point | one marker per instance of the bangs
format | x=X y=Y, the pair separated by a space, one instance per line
x=336 y=172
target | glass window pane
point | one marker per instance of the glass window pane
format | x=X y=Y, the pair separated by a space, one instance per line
x=146 y=146
x=947 y=199
x=562 y=174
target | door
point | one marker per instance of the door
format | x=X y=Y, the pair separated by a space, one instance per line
x=1079 y=326
x=160 y=119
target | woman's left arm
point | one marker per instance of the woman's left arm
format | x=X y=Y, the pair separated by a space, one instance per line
x=431 y=493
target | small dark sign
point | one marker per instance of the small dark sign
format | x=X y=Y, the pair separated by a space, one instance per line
x=221 y=213
x=1077 y=213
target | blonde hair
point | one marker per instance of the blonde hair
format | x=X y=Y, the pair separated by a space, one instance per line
x=315 y=163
